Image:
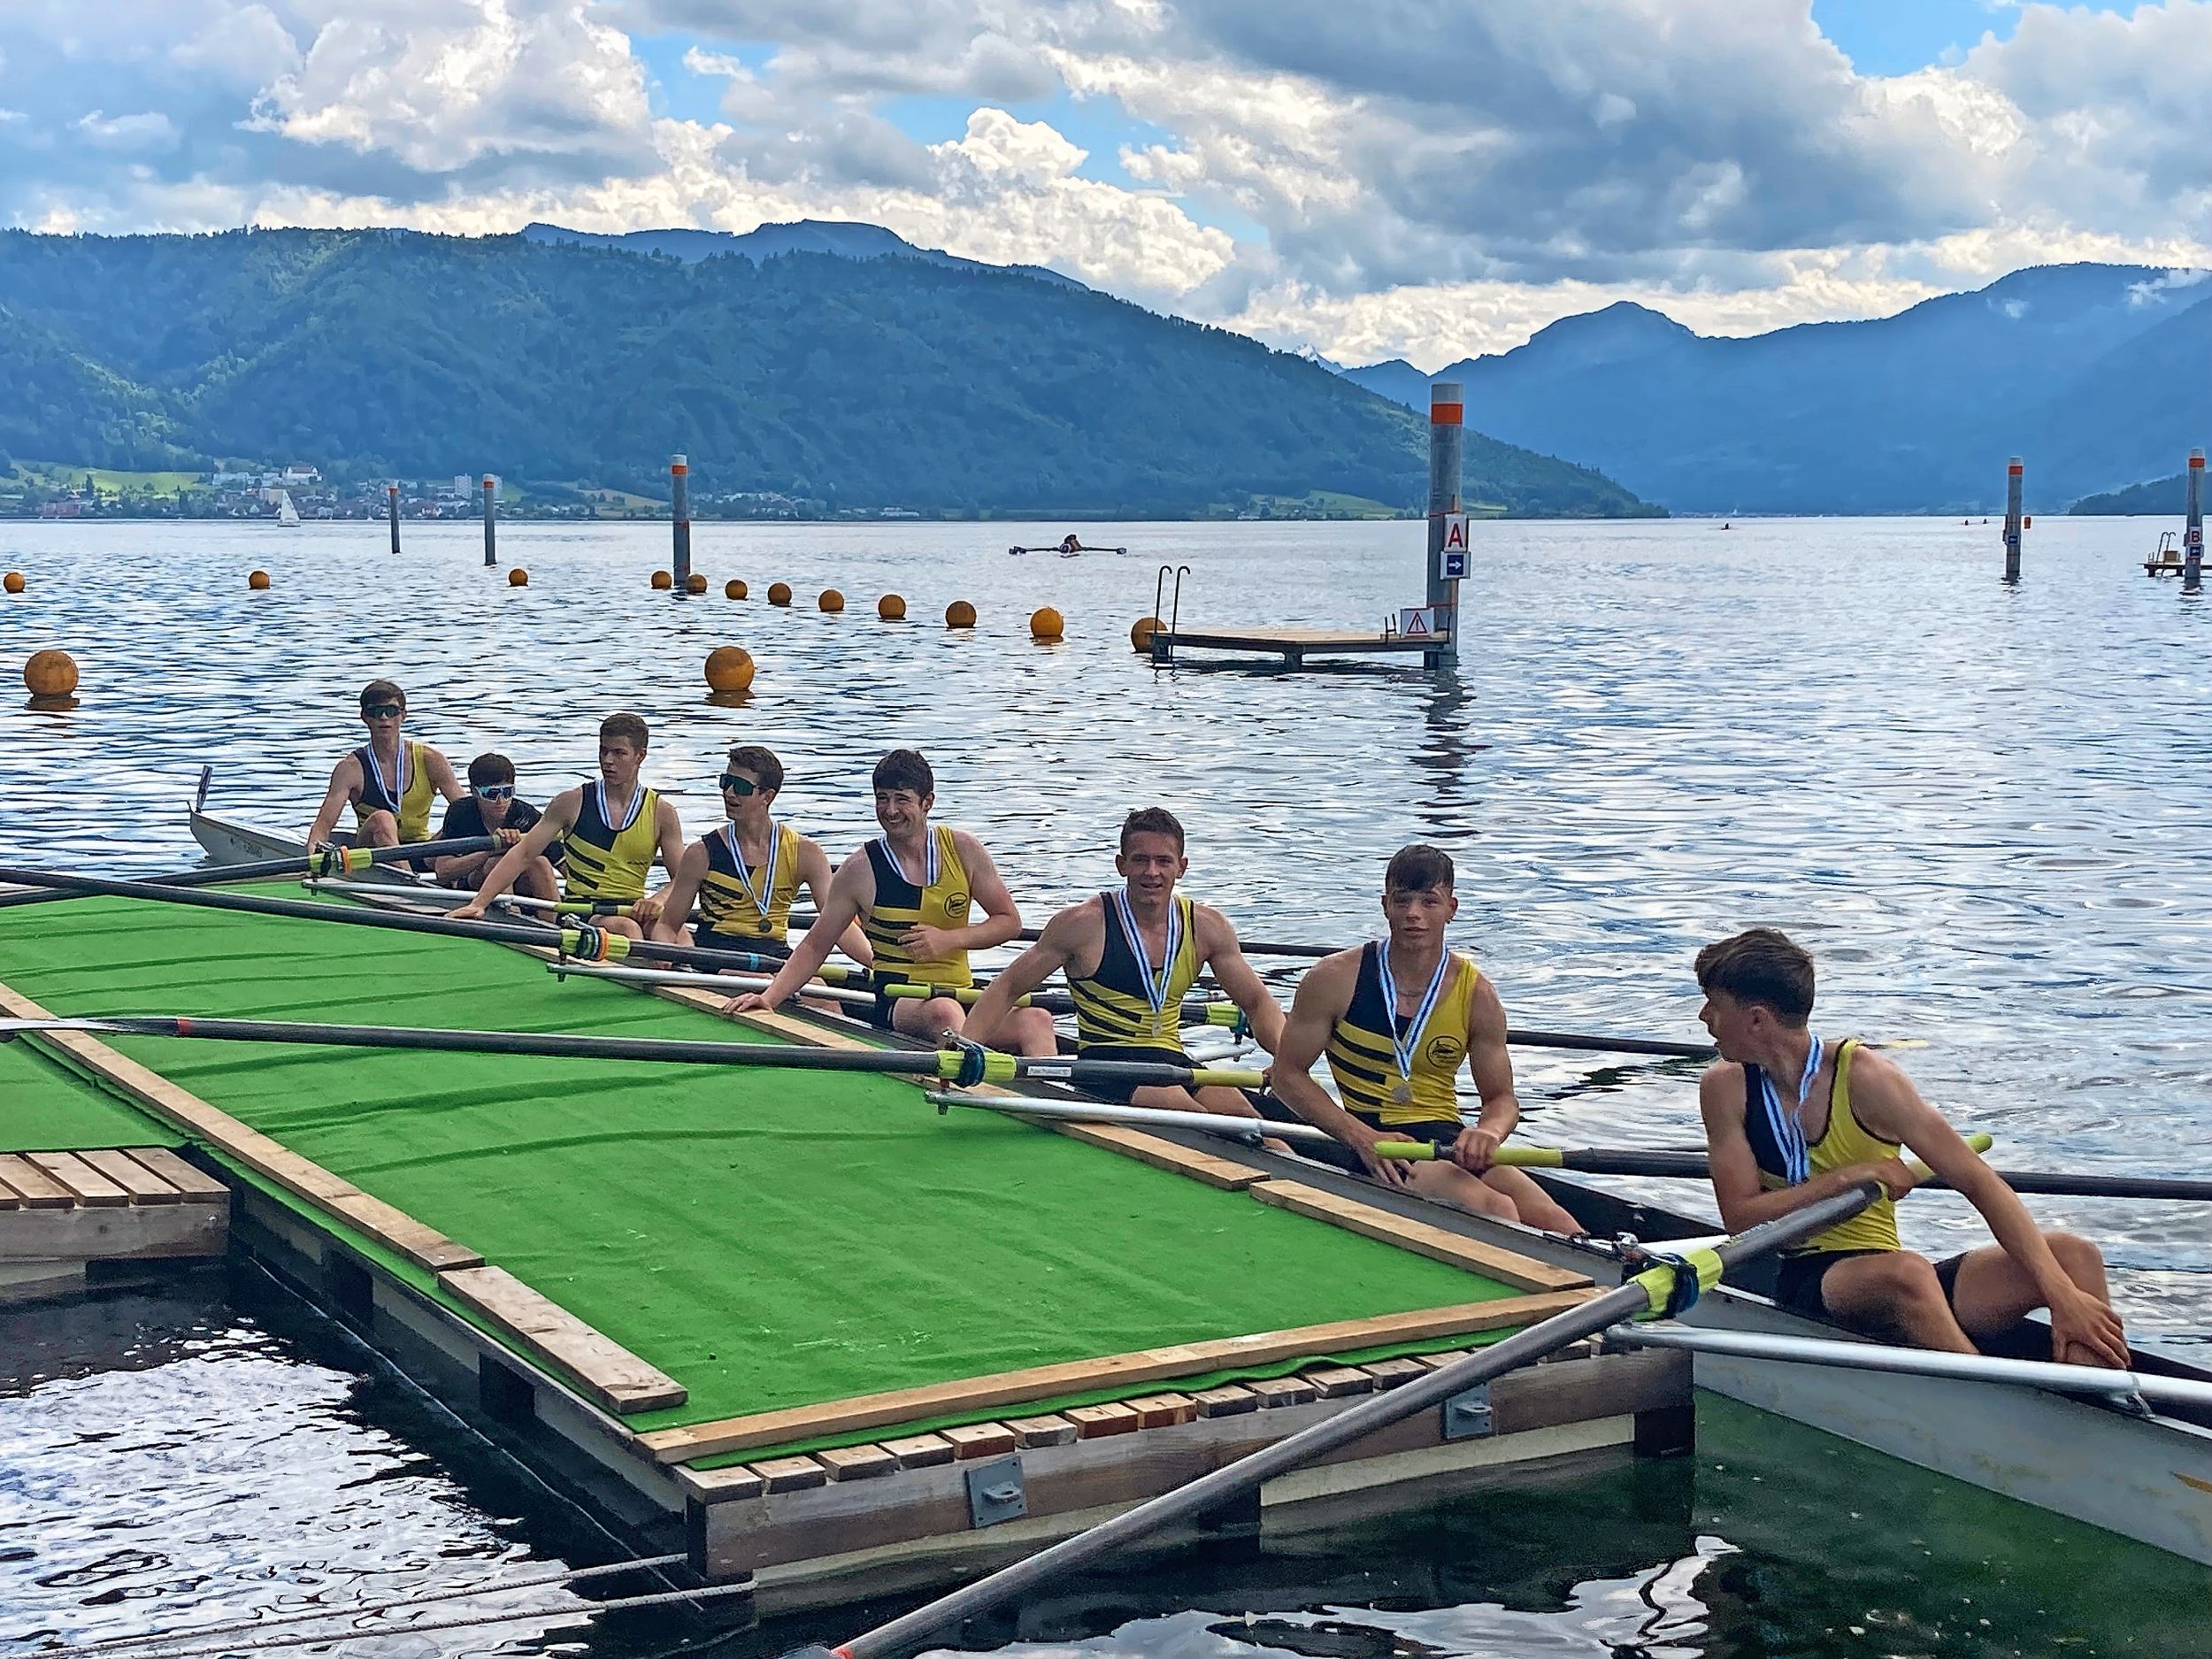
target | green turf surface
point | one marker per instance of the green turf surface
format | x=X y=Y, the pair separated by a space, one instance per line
x=768 y=1238
x=44 y=1107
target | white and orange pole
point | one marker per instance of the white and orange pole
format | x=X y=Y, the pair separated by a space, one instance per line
x=679 y=504
x=2014 y=472
x=2192 y=537
x=1446 y=412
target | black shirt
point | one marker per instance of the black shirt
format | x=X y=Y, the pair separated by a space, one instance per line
x=465 y=821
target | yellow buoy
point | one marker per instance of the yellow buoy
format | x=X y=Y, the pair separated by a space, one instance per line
x=734 y=590
x=779 y=593
x=258 y=581
x=831 y=600
x=663 y=582
x=1045 y=623
x=891 y=608
x=15 y=582
x=960 y=614
x=695 y=583
x=518 y=577
x=51 y=674
x=1140 y=632
x=729 y=668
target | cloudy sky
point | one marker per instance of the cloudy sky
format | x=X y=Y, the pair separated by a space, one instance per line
x=1414 y=178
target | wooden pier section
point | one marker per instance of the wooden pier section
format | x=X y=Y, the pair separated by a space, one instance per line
x=1293 y=645
x=64 y=1216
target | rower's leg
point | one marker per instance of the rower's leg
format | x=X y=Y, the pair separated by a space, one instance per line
x=536 y=881
x=1993 y=1293
x=1534 y=1206
x=927 y=1019
x=1448 y=1184
x=1894 y=1290
x=378 y=829
x=1027 y=1031
x=621 y=924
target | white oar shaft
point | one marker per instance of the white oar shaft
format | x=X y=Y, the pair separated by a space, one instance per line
x=729 y=983
x=1246 y=1129
x=1916 y=1362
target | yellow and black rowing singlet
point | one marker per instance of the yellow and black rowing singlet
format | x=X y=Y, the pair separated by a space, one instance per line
x=610 y=861
x=1362 y=1049
x=941 y=901
x=1128 y=1003
x=749 y=905
x=1787 y=1158
x=406 y=797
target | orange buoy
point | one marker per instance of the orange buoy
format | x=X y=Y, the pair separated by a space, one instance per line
x=1140 y=632
x=51 y=674
x=734 y=590
x=831 y=600
x=258 y=581
x=695 y=583
x=779 y=593
x=960 y=614
x=15 y=582
x=663 y=581
x=1045 y=623
x=730 y=668
x=891 y=608
x=518 y=577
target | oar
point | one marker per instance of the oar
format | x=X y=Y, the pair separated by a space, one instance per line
x=324 y=858
x=1250 y=1131
x=1655 y=1290
x=950 y=1064
x=1691 y=1165
x=453 y=899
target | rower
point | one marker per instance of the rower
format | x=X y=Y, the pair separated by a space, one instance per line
x=493 y=809
x=1131 y=955
x=607 y=829
x=388 y=781
x=746 y=873
x=1790 y=1120
x=912 y=890
x=1397 y=1016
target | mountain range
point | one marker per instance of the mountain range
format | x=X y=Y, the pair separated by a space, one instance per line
x=831 y=364
x=2095 y=374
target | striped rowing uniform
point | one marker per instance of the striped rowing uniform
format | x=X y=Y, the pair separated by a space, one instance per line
x=941 y=899
x=1114 y=1016
x=608 y=860
x=1362 y=1056
x=406 y=796
x=1787 y=1158
x=742 y=908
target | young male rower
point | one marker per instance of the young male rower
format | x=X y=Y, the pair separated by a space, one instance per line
x=493 y=809
x=1131 y=955
x=1790 y=1119
x=388 y=781
x=608 y=829
x=745 y=874
x=1397 y=1017
x=912 y=890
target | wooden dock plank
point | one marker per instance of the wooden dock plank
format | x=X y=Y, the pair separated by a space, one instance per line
x=607 y=1372
x=144 y=1186
x=1130 y=1370
x=1505 y=1266
x=86 y=1184
x=33 y=1186
x=1224 y=1173
x=190 y=1181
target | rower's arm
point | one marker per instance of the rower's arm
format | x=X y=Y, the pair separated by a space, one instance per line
x=668 y=828
x=1234 y=971
x=1002 y=918
x=851 y=890
x=684 y=875
x=1323 y=997
x=560 y=816
x=1491 y=1063
x=814 y=876
x=443 y=779
x=1055 y=949
x=1734 y=1170
x=345 y=786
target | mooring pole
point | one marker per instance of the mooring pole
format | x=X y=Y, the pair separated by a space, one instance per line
x=679 y=502
x=1445 y=412
x=2013 y=470
x=491 y=525
x=2193 y=538
x=391 y=511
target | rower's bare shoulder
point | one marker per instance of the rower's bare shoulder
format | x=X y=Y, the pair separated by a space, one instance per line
x=1335 y=976
x=1721 y=1085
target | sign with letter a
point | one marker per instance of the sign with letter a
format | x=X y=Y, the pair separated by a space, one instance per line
x=1451 y=558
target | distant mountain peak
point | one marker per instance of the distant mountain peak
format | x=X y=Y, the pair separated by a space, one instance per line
x=843 y=239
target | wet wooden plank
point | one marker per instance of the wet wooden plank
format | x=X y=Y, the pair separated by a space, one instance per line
x=606 y=1370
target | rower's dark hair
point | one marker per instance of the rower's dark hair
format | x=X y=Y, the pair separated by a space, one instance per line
x=1419 y=868
x=383 y=691
x=761 y=763
x=904 y=769
x=1762 y=965
x=490 y=768
x=1151 y=821
x=628 y=725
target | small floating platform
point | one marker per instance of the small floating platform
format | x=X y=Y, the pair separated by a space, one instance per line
x=2163 y=567
x=1293 y=645
x=62 y=1212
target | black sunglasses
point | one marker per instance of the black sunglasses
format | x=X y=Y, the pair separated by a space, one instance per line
x=737 y=785
x=381 y=710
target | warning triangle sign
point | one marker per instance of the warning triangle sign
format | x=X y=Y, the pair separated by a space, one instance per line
x=1417 y=625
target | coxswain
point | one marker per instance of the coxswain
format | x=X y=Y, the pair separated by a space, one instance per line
x=389 y=781
x=914 y=890
x=1131 y=955
x=746 y=874
x=1072 y=543
x=493 y=809
x=1790 y=1119
x=608 y=829
x=1397 y=1017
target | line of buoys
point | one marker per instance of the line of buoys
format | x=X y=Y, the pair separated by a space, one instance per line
x=695 y=583
x=663 y=581
x=258 y=581
x=891 y=608
x=14 y=581
x=50 y=673
x=1140 y=632
x=830 y=601
x=730 y=668
x=735 y=590
x=518 y=577
x=1045 y=623
x=779 y=593
x=960 y=614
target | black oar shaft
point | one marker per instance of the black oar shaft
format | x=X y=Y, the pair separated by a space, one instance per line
x=214 y=875
x=2050 y=1183
x=1589 y=1044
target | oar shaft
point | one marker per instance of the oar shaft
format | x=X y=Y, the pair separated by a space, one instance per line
x=214 y=875
x=1590 y=1044
x=1251 y=1131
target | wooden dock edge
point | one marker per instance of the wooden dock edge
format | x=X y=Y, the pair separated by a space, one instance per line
x=606 y=1372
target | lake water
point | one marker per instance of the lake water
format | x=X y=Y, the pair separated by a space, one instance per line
x=1987 y=811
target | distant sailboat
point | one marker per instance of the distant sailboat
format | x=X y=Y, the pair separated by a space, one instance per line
x=288 y=515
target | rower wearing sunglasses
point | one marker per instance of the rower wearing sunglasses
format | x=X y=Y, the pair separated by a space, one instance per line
x=388 y=781
x=745 y=874
x=494 y=808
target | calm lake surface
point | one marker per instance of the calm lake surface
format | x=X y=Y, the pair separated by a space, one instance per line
x=1988 y=812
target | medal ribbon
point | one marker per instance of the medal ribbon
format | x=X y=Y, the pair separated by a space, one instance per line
x=929 y=859
x=376 y=770
x=1154 y=984
x=767 y=891
x=1789 y=1124
x=637 y=802
x=1403 y=1045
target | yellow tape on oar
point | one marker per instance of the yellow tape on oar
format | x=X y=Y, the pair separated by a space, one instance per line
x=1407 y=1151
x=997 y=1068
x=1205 y=1079
x=594 y=944
x=1678 y=1279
